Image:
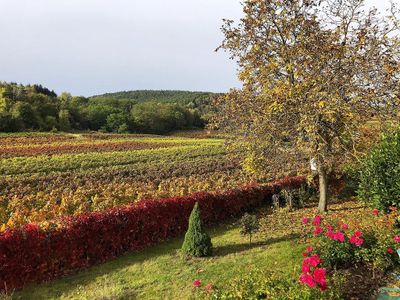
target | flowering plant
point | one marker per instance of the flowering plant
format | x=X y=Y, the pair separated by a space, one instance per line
x=312 y=275
x=370 y=241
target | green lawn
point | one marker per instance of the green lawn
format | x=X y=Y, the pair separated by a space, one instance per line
x=161 y=272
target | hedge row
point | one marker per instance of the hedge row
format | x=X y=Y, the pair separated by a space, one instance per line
x=32 y=254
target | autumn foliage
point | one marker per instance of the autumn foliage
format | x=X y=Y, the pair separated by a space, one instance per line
x=34 y=254
x=314 y=72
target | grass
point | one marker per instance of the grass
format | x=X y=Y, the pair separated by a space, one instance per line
x=162 y=272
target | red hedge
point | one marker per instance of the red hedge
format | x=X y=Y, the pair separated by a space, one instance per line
x=31 y=254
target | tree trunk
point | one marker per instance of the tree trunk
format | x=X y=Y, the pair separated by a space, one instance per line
x=323 y=190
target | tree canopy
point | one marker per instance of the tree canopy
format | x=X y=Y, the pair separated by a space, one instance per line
x=34 y=107
x=313 y=73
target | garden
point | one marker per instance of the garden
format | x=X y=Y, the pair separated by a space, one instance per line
x=291 y=192
x=257 y=241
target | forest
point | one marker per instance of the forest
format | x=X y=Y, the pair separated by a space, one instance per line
x=37 y=108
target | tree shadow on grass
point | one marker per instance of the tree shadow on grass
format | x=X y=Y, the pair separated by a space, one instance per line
x=82 y=277
x=171 y=247
x=346 y=208
x=237 y=248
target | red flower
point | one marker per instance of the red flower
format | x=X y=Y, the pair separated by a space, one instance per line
x=320 y=275
x=322 y=286
x=317 y=230
x=330 y=234
x=305 y=254
x=305 y=268
x=345 y=226
x=309 y=248
x=358 y=233
x=338 y=236
x=307 y=279
x=196 y=283
x=312 y=276
x=313 y=260
x=317 y=220
x=397 y=238
x=356 y=240
x=375 y=212
x=390 y=250
x=304 y=221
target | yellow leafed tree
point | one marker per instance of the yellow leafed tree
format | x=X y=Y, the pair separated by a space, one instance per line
x=313 y=73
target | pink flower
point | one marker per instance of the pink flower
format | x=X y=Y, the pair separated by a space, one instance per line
x=322 y=286
x=330 y=234
x=313 y=260
x=307 y=279
x=302 y=278
x=397 y=238
x=375 y=212
x=317 y=230
x=345 y=226
x=209 y=287
x=310 y=281
x=320 y=275
x=196 y=283
x=390 y=250
x=356 y=240
x=338 y=236
x=309 y=248
x=304 y=221
x=359 y=242
x=305 y=268
x=317 y=220
x=312 y=276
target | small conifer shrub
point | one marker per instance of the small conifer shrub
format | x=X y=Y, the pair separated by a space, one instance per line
x=197 y=242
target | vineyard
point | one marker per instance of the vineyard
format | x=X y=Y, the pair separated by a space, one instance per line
x=47 y=176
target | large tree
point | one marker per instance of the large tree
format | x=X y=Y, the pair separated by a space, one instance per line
x=313 y=72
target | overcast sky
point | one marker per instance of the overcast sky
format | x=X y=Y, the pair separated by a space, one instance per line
x=89 y=47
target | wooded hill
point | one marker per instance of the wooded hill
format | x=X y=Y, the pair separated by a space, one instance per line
x=185 y=98
x=34 y=107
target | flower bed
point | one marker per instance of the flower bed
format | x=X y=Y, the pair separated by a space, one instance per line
x=33 y=254
x=367 y=243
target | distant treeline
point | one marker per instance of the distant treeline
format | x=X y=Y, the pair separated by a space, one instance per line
x=34 y=107
x=186 y=98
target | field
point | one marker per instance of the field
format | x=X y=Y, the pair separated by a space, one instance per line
x=90 y=242
x=44 y=176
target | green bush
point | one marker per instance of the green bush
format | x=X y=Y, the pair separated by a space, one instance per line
x=335 y=254
x=380 y=173
x=197 y=242
x=249 y=224
x=369 y=242
x=351 y=179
